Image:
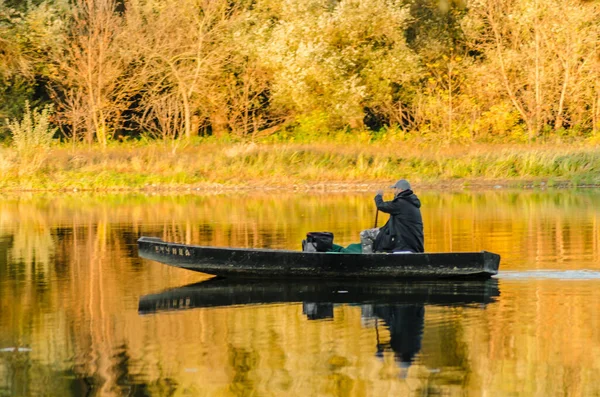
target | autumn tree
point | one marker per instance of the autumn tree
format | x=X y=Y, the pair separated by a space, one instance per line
x=543 y=53
x=89 y=81
x=14 y=66
x=185 y=49
x=339 y=59
x=28 y=32
x=245 y=83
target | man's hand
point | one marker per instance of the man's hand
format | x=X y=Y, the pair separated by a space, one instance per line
x=380 y=192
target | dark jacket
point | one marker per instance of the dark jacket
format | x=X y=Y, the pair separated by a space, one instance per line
x=404 y=230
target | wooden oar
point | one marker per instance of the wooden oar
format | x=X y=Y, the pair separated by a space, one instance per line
x=376 y=214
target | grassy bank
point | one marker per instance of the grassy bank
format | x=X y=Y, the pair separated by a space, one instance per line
x=213 y=165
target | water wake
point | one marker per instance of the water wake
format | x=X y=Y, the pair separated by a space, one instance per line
x=582 y=274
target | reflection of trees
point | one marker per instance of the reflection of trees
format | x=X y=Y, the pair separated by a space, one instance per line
x=446 y=347
x=31 y=249
x=543 y=338
x=23 y=376
x=69 y=266
x=524 y=227
x=528 y=229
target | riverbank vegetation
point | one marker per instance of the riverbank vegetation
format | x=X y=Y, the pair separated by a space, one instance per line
x=299 y=90
x=213 y=166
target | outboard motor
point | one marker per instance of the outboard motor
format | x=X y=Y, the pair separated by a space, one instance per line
x=317 y=242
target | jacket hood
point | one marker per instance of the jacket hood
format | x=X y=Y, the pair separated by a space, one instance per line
x=409 y=196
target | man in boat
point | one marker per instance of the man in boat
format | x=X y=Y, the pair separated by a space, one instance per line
x=403 y=232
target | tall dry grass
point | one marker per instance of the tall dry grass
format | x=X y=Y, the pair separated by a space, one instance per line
x=209 y=164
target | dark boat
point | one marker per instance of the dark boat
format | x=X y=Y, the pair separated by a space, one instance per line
x=218 y=292
x=281 y=264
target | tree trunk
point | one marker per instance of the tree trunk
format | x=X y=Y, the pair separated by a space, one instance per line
x=187 y=115
x=218 y=121
x=450 y=109
x=561 y=103
x=538 y=83
x=596 y=113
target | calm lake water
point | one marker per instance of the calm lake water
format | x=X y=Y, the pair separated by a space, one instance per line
x=81 y=314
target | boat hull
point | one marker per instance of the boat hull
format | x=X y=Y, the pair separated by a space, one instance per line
x=260 y=263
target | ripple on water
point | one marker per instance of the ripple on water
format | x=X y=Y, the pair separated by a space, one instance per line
x=582 y=274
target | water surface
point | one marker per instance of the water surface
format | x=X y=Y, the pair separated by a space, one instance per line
x=73 y=320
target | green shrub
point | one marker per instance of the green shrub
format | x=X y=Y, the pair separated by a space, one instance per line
x=32 y=137
x=33 y=132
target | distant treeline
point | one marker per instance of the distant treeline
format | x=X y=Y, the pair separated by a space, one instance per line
x=449 y=70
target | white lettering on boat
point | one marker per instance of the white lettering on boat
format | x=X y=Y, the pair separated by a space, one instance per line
x=179 y=251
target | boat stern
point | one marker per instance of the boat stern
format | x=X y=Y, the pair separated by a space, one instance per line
x=491 y=262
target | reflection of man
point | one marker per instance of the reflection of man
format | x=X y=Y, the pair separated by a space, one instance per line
x=405 y=324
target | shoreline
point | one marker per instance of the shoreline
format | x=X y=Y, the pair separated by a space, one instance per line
x=320 y=187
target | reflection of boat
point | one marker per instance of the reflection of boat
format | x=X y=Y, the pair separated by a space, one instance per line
x=225 y=292
x=398 y=307
x=257 y=263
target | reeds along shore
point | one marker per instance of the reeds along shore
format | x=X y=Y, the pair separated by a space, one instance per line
x=214 y=166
